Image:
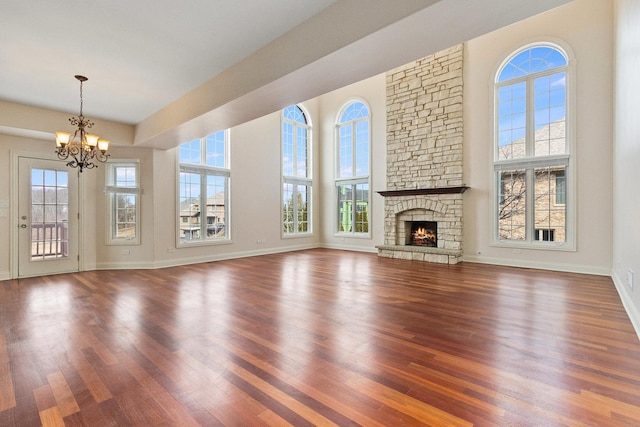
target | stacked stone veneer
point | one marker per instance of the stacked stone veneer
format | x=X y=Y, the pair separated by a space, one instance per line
x=424 y=151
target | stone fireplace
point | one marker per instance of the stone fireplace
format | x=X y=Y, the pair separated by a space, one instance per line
x=424 y=160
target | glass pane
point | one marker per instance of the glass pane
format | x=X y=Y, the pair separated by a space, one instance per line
x=356 y=110
x=512 y=205
x=125 y=176
x=62 y=195
x=362 y=208
x=294 y=113
x=302 y=208
x=512 y=122
x=49 y=214
x=287 y=149
x=345 y=208
x=301 y=152
x=550 y=115
x=124 y=226
x=287 y=208
x=216 y=209
x=345 y=151
x=215 y=145
x=533 y=60
x=189 y=206
x=362 y=148
x=190 y=152
x=549 y=215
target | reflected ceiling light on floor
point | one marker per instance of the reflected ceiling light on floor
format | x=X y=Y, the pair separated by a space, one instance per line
x=83 y=147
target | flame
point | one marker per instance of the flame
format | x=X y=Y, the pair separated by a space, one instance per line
x=423 y=236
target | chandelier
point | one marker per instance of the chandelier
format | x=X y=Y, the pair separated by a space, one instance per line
x=83 y=147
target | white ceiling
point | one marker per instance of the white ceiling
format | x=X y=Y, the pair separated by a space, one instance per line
x=139 y=55
x=178 y=68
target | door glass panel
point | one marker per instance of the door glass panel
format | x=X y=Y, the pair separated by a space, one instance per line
x=49 y=214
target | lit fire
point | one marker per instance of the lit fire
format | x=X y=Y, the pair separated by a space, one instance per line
x=422 y=236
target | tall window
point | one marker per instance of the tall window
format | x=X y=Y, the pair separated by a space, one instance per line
x=296 y=172
x=532 y=157
x=203 y=196
x=352 y=181
x=123 y=193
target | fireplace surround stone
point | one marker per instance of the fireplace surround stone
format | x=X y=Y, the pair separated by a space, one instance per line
x=424 y=156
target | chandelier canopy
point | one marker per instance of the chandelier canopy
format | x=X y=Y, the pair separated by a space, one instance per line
x=83 y=147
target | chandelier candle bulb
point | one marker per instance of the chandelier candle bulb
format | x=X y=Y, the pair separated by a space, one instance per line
x=92 y=140
x=62 y=138
x=103 y=145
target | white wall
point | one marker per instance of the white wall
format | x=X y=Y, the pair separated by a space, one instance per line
x=586 y=27
x=626 y=247
x=255 y=197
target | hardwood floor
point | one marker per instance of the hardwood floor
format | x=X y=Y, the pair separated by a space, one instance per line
x=317 y=337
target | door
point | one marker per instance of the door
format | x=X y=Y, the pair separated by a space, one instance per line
x=47 y=217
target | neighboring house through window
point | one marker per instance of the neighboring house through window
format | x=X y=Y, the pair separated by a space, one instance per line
x=532 y=149
x=352 y=175
x=296 y=172
x=203 y=193
x=123 y=199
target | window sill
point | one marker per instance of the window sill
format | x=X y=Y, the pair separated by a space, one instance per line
x=550 y=246
x=354 y=235
x=296 y=235
x=181 y=245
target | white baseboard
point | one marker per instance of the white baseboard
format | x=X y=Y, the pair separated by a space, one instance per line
x=569 y=268
x=229 y=255
x=5 y=275
x=371 y=249
x=631 y=309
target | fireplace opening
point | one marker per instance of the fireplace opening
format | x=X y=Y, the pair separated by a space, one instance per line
x=423 y=233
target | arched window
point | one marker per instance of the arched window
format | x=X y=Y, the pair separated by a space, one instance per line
x=352 y=175
x=532 y=157
x=296 y=172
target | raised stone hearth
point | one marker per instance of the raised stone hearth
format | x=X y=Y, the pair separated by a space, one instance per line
x=424 y=157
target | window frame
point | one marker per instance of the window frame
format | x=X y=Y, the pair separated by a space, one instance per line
x=204 y=171
x=530 y=162
x=354 y=179
x=111 y=191
x=295 y=180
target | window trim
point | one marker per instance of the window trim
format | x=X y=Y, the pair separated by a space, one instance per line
x=354 y=179
x=111 y=191
x=296 y=180
x=204 y=170
x=530 y=163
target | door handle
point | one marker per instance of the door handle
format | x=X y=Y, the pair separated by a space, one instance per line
x=23 y=225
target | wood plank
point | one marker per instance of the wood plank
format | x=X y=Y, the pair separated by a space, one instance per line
x=7 y=392
x=62 y=393
x=52 y=417
x=317 y=337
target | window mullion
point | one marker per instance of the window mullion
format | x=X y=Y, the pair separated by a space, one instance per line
x=530 y=118
x=294 y=202
x=203 y=206
x=530 y=205
x=354 y=150
x=294 y=150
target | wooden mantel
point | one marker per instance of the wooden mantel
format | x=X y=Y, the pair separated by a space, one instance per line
x=423 y=191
